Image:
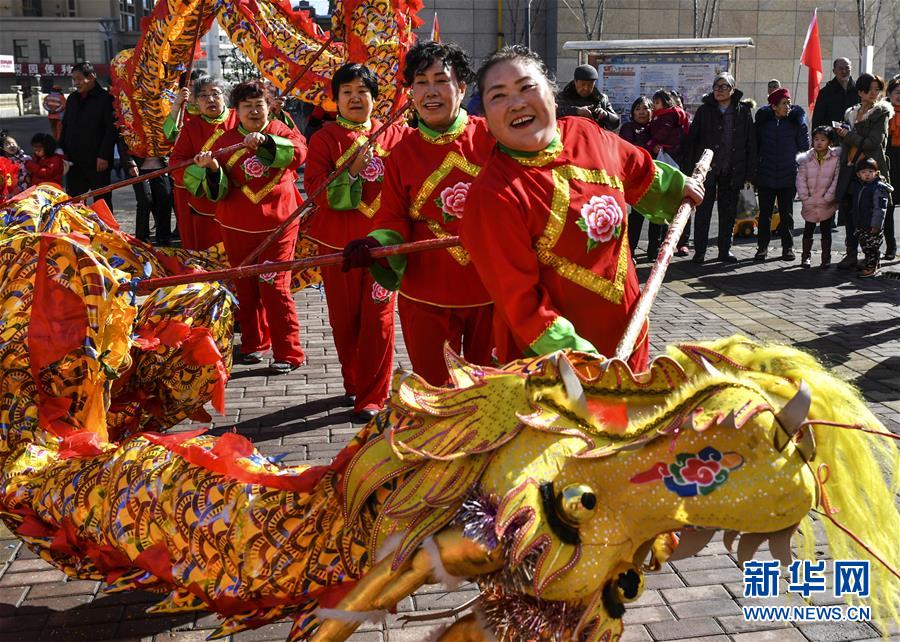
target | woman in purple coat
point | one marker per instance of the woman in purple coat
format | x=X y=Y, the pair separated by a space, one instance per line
x=637 y=132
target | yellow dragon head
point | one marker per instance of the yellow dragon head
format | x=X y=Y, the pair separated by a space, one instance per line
x=577 y=471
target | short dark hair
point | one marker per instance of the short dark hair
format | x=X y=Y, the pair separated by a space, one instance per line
x=638 y=101
x=511 y=53
x=46 y=141
x=824 y=130
x=864 y=82
x=892 y=85
x=665 y=97
x=866 y=163
x=351 y=71
x=249 y=90
x=84 y=68
x=423 y=54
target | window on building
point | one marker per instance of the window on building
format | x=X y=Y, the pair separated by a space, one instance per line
x=73 y=8
x=148 y=7
x=20 y=49
x=31 y=8
x=126 y=12
x=78 y=50
x=44 y=46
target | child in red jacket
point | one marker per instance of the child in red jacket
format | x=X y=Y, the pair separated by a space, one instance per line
x=45 y=166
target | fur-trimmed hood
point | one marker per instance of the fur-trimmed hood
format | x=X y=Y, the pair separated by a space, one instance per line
x=810 y=155
x=766 y=114
x=881 y=109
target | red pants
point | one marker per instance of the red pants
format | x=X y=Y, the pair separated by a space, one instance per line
x=183 y=218
x=266 y=309
x=426 y=327
x=361 y=314
x=207 y=232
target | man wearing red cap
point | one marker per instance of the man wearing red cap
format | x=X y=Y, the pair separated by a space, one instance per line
x=781 y=134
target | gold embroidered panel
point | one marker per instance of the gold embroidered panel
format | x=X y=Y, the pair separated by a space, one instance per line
x=612 y=290
x=451 y=162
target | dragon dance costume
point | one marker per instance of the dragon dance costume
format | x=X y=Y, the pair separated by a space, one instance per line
x=441 y=297
x=255 y=193
x=196 y=215
x=360 y=311
x=547 y=234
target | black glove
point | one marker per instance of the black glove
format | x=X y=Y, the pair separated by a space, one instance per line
x=357 y=253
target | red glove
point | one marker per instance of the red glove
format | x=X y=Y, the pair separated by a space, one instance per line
x=357 y=253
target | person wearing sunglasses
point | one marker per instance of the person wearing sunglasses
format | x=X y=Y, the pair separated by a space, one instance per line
x=724 y=124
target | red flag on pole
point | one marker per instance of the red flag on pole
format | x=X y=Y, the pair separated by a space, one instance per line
x=435 y=29
x=812 y=58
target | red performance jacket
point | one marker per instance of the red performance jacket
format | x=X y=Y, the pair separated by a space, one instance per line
x=346 y=207
x=199 y=134
x=425 y=185
x=548 y=234
x=255 y=191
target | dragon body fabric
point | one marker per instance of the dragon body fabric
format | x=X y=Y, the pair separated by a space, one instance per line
x=279 y=41
x=554 y=483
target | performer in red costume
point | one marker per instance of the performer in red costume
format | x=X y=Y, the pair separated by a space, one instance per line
x=426 y=180
x=196 y=215
x=255 y=191
x=545 y=221
x=361 y=311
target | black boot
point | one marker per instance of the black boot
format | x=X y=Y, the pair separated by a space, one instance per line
x=806 y=252
x=826 y=253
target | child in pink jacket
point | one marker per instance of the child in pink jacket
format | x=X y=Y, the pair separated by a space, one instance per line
x=817 y=177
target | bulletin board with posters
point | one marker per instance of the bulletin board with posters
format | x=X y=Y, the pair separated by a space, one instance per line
x=623 y=77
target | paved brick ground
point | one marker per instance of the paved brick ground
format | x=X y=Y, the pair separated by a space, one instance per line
x=854 y=325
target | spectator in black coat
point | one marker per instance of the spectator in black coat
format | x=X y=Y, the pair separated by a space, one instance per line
x=88 y=133
x=781 y=134
x=836 y=97
x=724 y=124
x=582 y=98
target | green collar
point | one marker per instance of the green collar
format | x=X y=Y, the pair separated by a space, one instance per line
x=247 y=131
x=457 y=127
x=354 y=127
x=541 y=157
x=218 y=119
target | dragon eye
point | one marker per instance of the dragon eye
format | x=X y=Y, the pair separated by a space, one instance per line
x=577 y=503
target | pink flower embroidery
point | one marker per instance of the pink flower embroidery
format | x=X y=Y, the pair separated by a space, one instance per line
x=601 y=218
x=253 y=167
x=452 y=200
x=380 y=294
x=374 y=170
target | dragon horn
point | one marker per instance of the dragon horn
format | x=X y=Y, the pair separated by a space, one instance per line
x=574 y=389
x=793 y=415
x=710 y=368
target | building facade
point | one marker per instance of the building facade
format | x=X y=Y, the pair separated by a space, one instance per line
x=778 y=29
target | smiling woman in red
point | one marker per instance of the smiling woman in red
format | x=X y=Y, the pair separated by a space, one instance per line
x=361 y=311
x=255 y=193
x=544 y=221
x=426 y=180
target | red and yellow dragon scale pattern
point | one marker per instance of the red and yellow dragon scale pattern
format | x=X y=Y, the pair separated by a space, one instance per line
x=725 y=435
x=279 y=41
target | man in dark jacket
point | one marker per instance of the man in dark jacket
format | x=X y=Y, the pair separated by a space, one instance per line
x=88 y=133
x=582 y=98
x=781 y=134
x=837 y=96
x=724 y=124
